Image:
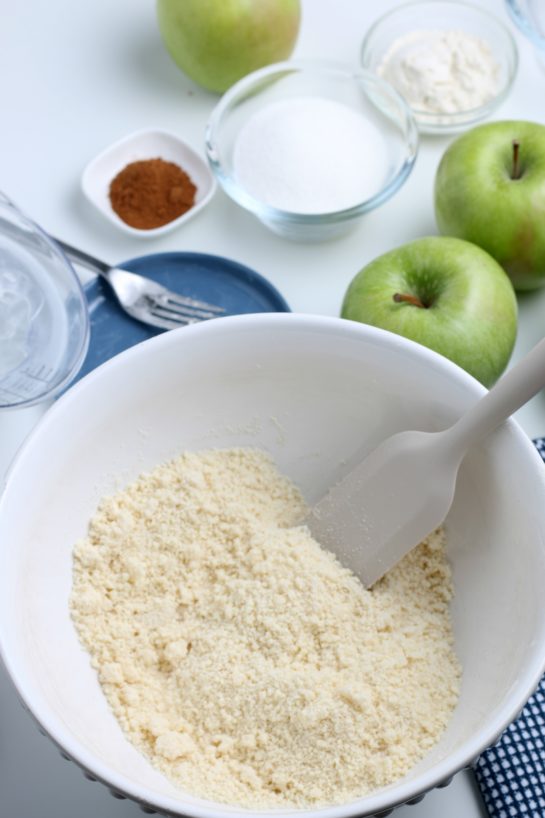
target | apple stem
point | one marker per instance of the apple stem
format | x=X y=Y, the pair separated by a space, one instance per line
x=409 y=299
x=515 y=173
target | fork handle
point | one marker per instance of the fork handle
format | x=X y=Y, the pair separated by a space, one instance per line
x=90 y=262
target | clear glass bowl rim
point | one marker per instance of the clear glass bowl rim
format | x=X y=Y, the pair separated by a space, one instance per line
x=270 y=213
x=460 y=117
x=521 y=21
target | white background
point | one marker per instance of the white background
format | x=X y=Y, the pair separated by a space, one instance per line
x=75 y=77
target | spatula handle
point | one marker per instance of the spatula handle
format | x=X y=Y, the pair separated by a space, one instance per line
x=513 y=390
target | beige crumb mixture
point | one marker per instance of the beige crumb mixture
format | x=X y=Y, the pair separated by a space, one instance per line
x=245 y=661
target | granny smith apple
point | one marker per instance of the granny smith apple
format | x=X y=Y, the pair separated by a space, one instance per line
x=446 y=294
x=216 y=42
x=490 y=190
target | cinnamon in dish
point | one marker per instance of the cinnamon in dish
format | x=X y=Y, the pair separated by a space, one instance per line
x=151 y=193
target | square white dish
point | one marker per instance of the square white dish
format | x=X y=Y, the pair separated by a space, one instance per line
x=145 y=144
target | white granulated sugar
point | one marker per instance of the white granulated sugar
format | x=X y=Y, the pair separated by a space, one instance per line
x=443 y=72
x=310 y=155
x=241 y=658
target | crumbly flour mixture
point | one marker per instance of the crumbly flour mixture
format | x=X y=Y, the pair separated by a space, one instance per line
x=242 y=659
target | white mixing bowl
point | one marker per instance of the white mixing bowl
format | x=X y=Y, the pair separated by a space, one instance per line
x=315 y=392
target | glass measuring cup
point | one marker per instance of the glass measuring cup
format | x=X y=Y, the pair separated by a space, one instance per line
x=44 y=323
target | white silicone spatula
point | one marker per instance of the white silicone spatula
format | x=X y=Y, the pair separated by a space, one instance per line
x=403 y=490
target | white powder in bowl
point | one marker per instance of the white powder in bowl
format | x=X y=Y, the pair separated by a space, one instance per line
x=240 y=657
x=443 y=72
x=310 y=155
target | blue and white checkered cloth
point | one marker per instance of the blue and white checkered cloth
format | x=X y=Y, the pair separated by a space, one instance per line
x=511 y=775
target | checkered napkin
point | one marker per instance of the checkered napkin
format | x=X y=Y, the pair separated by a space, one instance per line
x=511 y=775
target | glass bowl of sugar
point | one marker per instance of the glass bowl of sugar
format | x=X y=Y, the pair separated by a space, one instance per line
x=309 y=148
x=44 y=322
x=453 y=62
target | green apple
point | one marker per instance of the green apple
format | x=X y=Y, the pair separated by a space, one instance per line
x=490 y=190
x=446 y=294
x=216 y=42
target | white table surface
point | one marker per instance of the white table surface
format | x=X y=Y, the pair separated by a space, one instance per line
x=74 y=77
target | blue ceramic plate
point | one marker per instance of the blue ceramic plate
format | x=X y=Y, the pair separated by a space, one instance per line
x=215 y=279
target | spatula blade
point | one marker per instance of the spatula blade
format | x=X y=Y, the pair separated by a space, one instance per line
x=387 y=505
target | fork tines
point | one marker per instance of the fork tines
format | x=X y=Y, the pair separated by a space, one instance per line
x=191 y=304
x=172 y=310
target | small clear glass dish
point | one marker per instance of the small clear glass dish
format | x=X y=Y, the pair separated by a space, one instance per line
x=44 y=323
x=442 y=16
x=365 y=94
x=529 y=17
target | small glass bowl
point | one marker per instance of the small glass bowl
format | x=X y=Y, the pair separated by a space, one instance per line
x=529 y=17
x=363 y=92
x=44 y=322
x=445 y=15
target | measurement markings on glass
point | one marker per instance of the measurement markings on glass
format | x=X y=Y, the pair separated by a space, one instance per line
x=21 y=384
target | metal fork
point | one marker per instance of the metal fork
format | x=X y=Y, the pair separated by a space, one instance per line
x=143 y=298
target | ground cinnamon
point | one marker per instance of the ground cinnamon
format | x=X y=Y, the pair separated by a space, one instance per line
x=151 y=192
